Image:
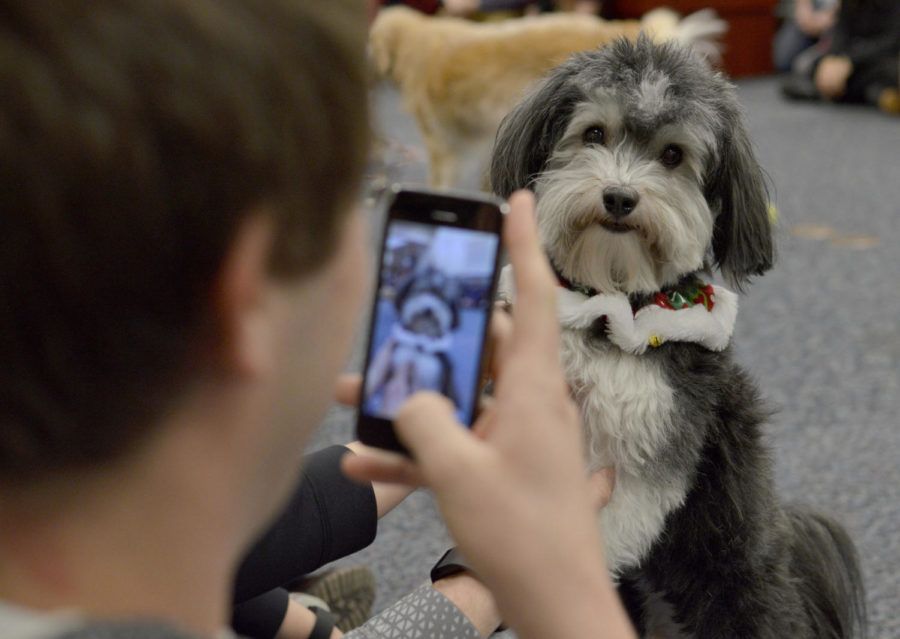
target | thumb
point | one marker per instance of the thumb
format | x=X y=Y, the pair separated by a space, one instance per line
x=426 y=424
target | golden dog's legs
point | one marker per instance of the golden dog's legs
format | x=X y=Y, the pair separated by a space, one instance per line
x=443 y=167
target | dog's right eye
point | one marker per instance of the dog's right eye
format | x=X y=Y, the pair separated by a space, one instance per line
x=672 y=156
x=593 y=135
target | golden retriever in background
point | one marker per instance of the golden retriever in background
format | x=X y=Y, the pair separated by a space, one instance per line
x=459 y=78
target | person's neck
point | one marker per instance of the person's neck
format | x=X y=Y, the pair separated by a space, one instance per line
x=146 y=540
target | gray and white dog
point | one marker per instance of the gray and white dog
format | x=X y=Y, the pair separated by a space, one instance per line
x=646 y=181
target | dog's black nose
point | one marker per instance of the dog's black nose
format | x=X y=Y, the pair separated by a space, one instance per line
x=619 y=200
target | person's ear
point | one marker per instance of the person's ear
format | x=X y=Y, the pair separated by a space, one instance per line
x=245 y=332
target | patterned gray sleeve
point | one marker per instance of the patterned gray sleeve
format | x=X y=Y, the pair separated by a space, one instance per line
x=424 y=613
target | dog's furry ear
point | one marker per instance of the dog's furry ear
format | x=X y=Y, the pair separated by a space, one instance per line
x=529 y=132
x=743 y=243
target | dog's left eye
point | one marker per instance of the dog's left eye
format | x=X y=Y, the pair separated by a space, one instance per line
x=671 y=156
x=593 y=135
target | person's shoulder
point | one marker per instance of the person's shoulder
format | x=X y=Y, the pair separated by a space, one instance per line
x=126 y=630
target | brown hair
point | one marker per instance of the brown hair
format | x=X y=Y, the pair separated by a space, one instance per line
x=134 y=136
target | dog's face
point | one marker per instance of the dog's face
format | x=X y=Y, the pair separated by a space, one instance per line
x=642 y=169
x=424 y=309
x=426 y=313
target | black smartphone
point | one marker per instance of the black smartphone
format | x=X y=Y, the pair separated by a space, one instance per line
x=437 y=279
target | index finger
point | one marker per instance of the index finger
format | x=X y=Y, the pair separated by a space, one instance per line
x=347 y=388
x=536 y=324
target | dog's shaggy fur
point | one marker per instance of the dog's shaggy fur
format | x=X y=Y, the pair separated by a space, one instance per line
x=646 y=180
x=459 y=78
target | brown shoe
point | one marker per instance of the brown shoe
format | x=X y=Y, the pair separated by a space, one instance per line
x=889 y=101
x=348 y=592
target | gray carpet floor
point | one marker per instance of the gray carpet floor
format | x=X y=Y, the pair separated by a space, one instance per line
x=820 y=332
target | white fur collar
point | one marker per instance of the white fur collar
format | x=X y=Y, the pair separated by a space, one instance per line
x=421 y=342
x=650 y=326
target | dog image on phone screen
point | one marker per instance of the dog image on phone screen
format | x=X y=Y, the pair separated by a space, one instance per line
x=416 y=354
x=646 y=182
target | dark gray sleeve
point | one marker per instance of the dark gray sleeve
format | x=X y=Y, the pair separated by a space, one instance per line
x=423 y=613
x=327 y=517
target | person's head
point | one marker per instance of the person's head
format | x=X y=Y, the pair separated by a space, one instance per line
x=143 y=143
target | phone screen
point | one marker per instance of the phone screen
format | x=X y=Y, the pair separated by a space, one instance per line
x=432 y=306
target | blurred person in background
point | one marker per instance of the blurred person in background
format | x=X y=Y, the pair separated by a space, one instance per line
x=859 y=61
x=805 y=23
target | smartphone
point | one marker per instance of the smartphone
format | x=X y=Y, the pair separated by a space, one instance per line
x=435 y=287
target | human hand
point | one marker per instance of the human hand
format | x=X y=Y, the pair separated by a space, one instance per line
x=513 y=491
x=832 y=74
x=531 y=339
x=469 y=594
